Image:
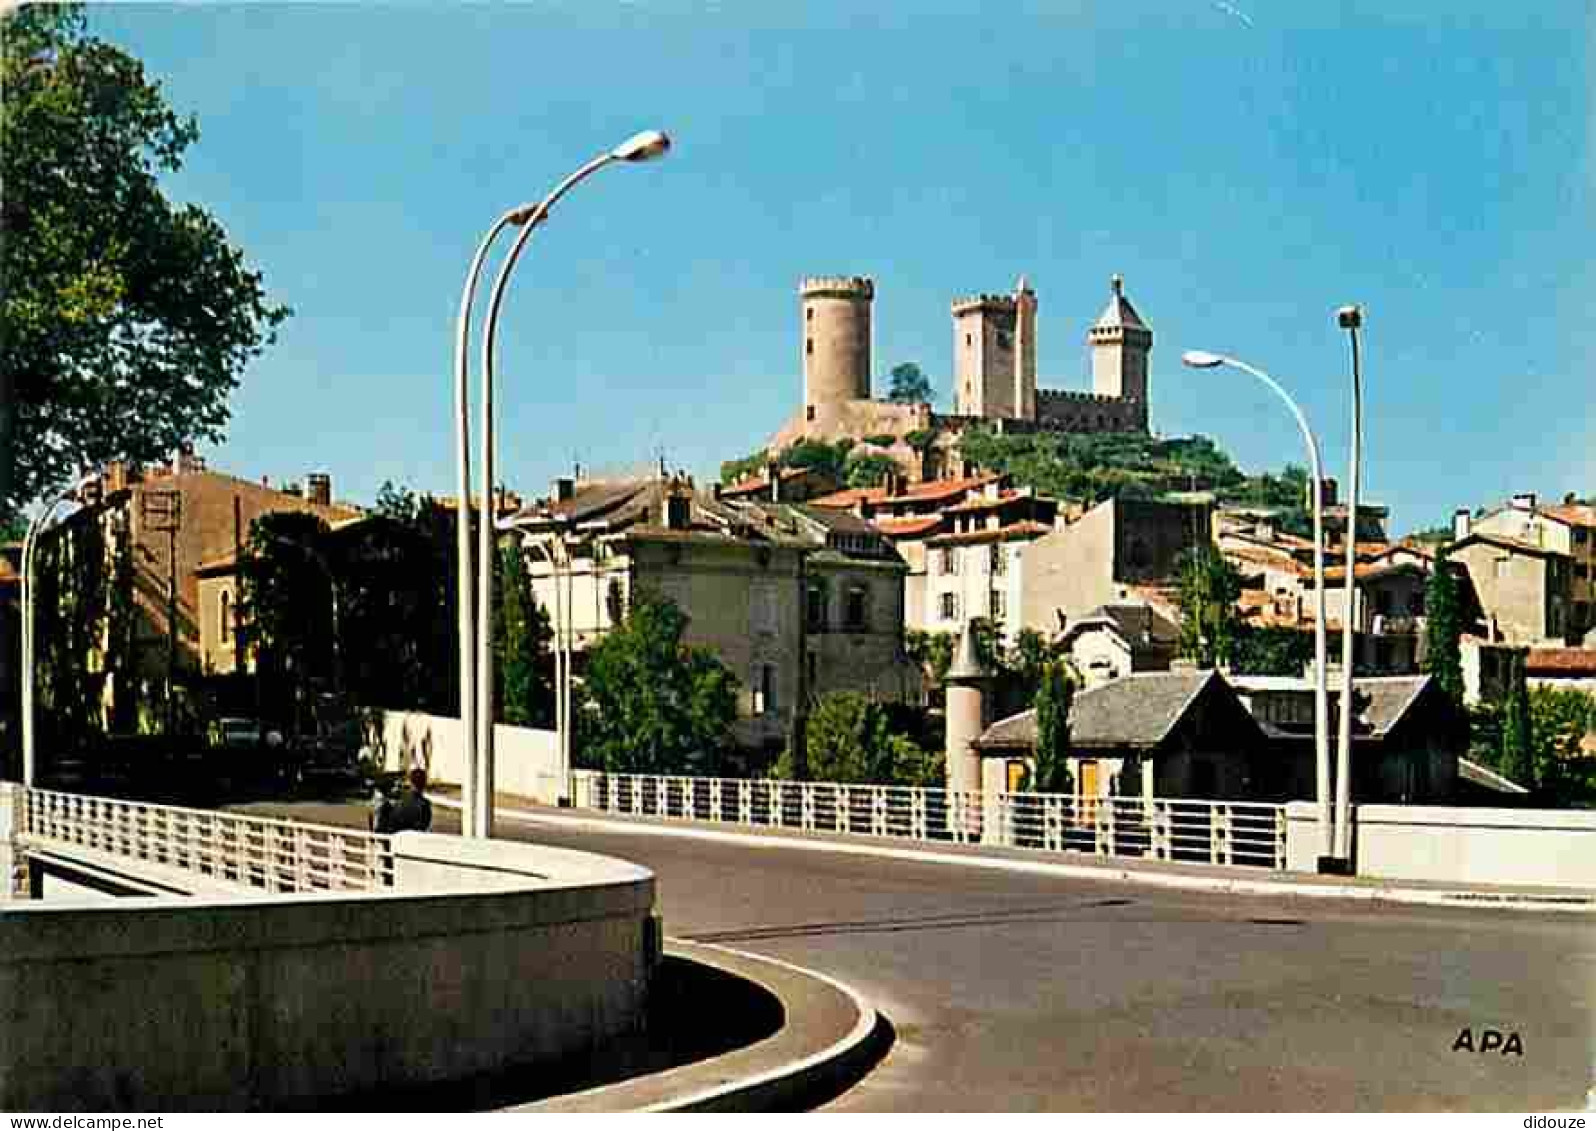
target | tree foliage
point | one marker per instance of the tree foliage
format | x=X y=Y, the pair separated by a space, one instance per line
x=522 y=635
x=1094 y=467
x=909 y=385
x=1271 y=650
x=1518 y=737
x=126 y=319
x=851 y=739
x=1055 y=696
x=1208 y=588
x=654 y=705
x=868 y=470
x=1443 y=630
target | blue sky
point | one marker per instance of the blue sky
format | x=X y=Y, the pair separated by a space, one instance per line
x=1247 y=167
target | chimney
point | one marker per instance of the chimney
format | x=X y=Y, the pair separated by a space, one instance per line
x=676 y=511
x=1524 y=501
x=1462 y=523
x=564 y=489
x=320 y=488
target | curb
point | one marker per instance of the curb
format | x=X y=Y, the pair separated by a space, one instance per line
x=784 y=1072
x=1367 y=893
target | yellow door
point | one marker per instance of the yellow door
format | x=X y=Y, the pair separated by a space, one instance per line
x=1089 y=793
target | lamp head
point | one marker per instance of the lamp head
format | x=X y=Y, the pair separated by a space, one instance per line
x=642 y=147
x=1201 y=359
x=1349 y=317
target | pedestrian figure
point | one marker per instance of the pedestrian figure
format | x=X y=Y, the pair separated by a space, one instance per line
x=414 y=811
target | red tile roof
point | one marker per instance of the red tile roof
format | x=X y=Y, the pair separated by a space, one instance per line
x=847 y=498
x=1025 y=529
x=1561 y=661
x=1574 y=514
x=907 y=527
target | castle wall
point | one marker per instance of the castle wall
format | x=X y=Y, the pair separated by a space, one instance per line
x=1063 y=410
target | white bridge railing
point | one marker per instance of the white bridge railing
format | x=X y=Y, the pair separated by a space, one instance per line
x=256 y=852
x=1214 y=832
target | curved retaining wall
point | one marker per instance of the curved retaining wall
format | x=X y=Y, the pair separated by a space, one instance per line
x=484 y=956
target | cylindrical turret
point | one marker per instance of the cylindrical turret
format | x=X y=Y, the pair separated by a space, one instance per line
x=836 y=325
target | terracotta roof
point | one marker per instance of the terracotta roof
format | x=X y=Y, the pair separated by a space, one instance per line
x=1507 y=543
x=907 y=527
x=1026 y=529
x=753 y=484
x=1561 y=661
x=1368 y=571
x=943 y=488
x=984 y=503
x=1574 y=514
x=847 y=498
x=1282 y=562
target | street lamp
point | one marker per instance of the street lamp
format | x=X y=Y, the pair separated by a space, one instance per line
x=1350 y=319
x=1198 y=359
x=639 y=147
x=30 y=548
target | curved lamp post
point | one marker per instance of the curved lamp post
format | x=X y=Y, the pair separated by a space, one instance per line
x=30 y=549
x=1350 y=319
x=562 y=649
x=640 y=147
x=1198 y=359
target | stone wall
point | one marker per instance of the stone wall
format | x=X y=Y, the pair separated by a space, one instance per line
x=485 y=956
x=525 y=761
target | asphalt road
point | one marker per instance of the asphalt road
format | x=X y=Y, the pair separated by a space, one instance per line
x=1015 y=992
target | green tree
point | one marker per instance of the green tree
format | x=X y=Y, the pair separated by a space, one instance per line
x=522 y=634
x=908 y=385
x=285 y=605
x=1518 y=754
x=654 y=705
x=1271 y=651
x=830 y=459
x=868 y=470
x=125 y=320
x=1208 y=589
x=1559 y=720
x=932 y=651
x=1443 y=629
x=1030 y=656
x=850 y=739
x=1054 y=699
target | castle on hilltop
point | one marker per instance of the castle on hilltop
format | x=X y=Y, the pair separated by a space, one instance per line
x=994 y=376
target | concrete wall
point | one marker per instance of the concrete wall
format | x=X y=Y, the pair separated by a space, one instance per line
x=1542 y=847
x=526 y=761
x=484 y=957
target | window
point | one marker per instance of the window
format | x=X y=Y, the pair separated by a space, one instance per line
x=817 y=606
x=809 y=346
x=814 y=669
x=227 y=616
x=764 y=682
x=999 y=560
x=998 y=604
x=1504 y=567
x=948 y=561
x=950 y=606
x=615 y=601
x=857 y=614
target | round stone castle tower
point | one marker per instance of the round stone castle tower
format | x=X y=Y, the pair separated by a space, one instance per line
x=836 y=321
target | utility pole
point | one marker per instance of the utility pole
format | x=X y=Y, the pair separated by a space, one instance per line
x=162 y=511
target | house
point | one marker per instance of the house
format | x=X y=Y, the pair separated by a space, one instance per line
x=1568 y=528
x=1406 y=737
x=1181 y=733
x=148 y=531
x=1116 y=640
x=964 y=542
x=1097 y=559
x=795 y=600
x=1524 y=589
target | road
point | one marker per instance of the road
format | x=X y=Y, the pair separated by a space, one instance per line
x=1016 y=992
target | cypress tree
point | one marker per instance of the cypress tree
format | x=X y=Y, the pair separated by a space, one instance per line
x=1443 y=628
